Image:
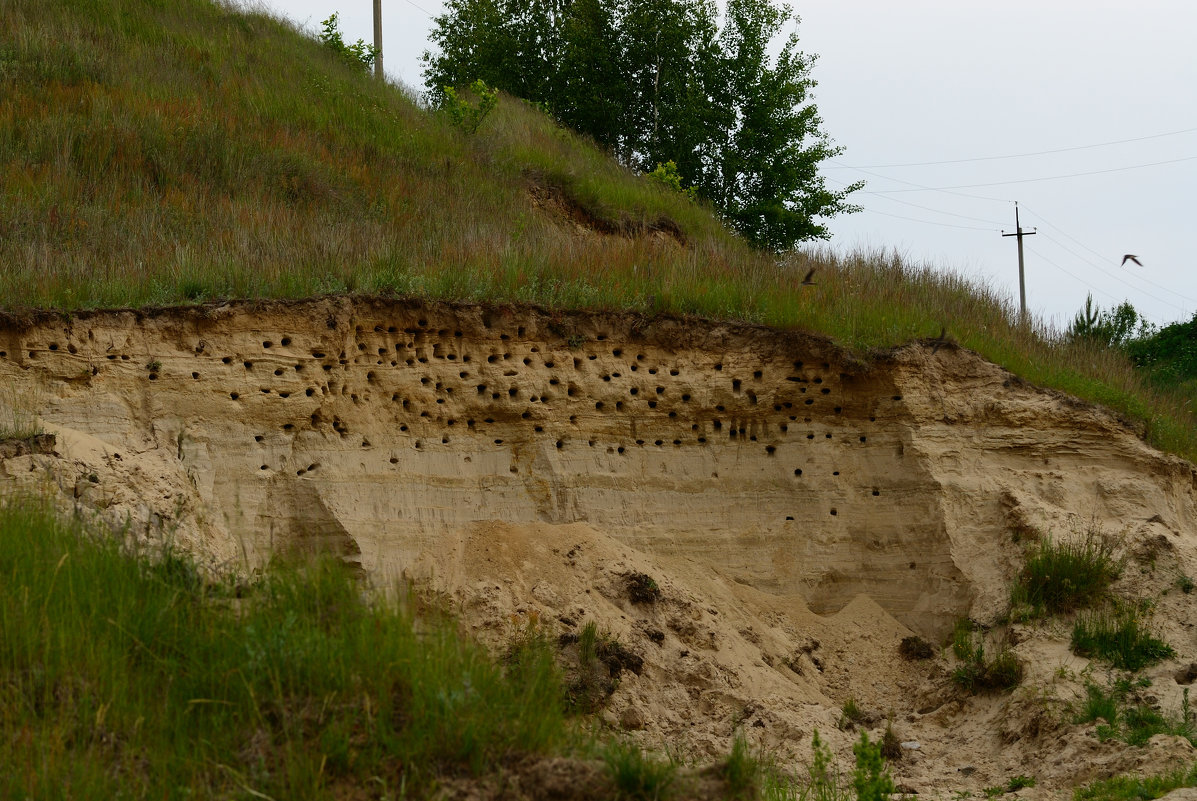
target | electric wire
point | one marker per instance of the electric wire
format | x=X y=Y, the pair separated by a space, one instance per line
x=1075 y=277
x=920 y=186
x=1137 y=277
x=1021 y=155
x=996 y=225
x=1033 y=180
x=1113 y=276
x=927 y=222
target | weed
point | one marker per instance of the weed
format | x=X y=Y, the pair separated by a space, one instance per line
x=1118 y=635
x=359 y=54
x=851 y=714
x=891 y=746
x=637 y=776
x=977 y=673
x=595 y=671
x=871 y=778
x=1136 y=788
x=1062 y=576
x=1185 y=583
x=742 y=772
x=1012 y=785
x=18 y=412
x=1127 y=717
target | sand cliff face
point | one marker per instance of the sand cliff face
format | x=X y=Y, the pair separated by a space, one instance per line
x=772 y=470
x=373 y=429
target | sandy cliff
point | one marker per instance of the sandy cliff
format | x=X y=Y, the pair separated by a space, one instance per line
x=802 y=509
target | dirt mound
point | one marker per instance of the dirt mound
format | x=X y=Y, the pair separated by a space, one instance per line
x=757 y=516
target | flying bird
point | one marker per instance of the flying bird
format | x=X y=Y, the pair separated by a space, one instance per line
x=1130 y=257
x=806 y=281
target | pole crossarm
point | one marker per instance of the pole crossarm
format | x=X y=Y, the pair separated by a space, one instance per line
x=1022 y=280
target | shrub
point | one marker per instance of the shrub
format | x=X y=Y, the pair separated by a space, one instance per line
x=465 y=115
x=1063 y=576
x=1117 y=635
x=871 y=778
x=851 y=714
x=359 y=54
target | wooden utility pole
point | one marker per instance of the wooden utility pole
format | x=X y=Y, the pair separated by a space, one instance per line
x=1022 y=276
x=378 y=39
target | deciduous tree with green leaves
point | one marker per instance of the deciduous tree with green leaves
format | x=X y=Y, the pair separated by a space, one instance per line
x=661 y=81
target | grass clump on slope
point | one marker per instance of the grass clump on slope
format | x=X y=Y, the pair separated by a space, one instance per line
x=128 y=676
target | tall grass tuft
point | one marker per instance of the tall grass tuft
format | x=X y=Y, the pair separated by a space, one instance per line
x=132 y=675
x=1119 y=635
x=1060 y=577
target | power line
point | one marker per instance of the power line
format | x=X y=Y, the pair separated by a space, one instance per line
x=1022 y=155
x=919 y=206
x=1137 y=277
x=926 y=222
x=1075 y=277
x=1113 y=276
x=945 y=190
x=1033 y=180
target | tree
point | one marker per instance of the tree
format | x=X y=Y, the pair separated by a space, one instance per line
x=1114 y=328
x=660 y=81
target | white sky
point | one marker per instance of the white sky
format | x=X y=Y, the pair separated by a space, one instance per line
x=937 y=80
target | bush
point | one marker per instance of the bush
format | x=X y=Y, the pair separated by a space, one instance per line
x=359 y=54
x=465 y=115
x=1062 y=576
x=1117 y=635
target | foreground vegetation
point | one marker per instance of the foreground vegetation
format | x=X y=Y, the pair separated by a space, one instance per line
x=123 y=676
x=156 y=153
x=132 y=674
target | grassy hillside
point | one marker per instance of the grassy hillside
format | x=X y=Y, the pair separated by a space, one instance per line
x=165 y=151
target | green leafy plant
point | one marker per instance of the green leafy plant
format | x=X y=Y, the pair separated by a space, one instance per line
x=667 y=175
x=870 y=779
x=462 y=113
x=359 y=54
x=1118 y=635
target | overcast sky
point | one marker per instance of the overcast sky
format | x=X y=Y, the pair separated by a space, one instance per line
x=938 y=80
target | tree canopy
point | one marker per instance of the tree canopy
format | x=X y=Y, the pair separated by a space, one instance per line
x=658 y=81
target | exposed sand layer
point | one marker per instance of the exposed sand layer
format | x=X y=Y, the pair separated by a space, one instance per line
x=801 y=510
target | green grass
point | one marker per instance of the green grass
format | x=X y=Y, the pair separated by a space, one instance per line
x=637 y=775
x=1136 y=788
x=1126 y=717
x=1119 y=635
x=133 y=675
x=978 y=671
x=158 y=153
x=1060 y=577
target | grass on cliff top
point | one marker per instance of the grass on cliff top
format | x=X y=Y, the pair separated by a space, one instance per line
x=158 y=152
